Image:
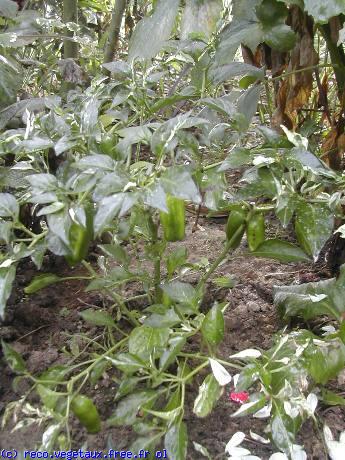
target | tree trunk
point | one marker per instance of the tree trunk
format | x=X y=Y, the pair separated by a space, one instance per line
x=114 y=30
x=330 y=33
x=70 y=14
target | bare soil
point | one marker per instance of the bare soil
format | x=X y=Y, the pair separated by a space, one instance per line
x=41 y=327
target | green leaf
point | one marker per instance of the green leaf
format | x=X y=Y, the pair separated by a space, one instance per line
x=98 y=370
x=97 y=317
x=5 y=231
x=128 y=408
x=10 y=79
x=310 y=161
x=167 y=319
x=146 y=340
x=49 y=397
x=117 y=252
x=201 y=450
x=248 y=102
x=235 y=69
x=7 y=276
x=314 y=225
x=17 y=39
x=247 y=377
x=246 y=81
x=127 y=386
x=176 y=259
x=325 y=361
x=174 y=401
x=36 y=143
x=281 y=38
x=212 y=327
x=41 y=281
x=175 y=345
x=238 y=157
x=54 y=207
x=225 y=282
x=180 y=292
x=127 y=363
x=271 y=12
x=13 y=358
x=285 y=207
x=178 y=182
x=257 y=401
x=49 y=436
x=119 y=69
x=168 y=101
x=244 y=28
x=209 y=393
x=108 y=208
x=224 y=105
x=169 y=416
x=280 y=250
x=8 y=206
x=38 y=253
x=258 y=182
x=244 y=9
x=17 y=109
x=200 y=17
x=151 y=33
x=281 y=436
x=322 y=11
x=8 y=8
x=293 y=2
x=176 y=440
x=332 y=399
x=310 y=300
x=53 y=375
x=148 y=442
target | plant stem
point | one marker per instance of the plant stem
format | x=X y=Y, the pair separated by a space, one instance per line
x=268 y=97
x=157 y=278
x=304 y=69
x=337 y=57
x=195 y=371
x=114 y=30
x=118 y=299
x=70 y=14
x=220 y=258
x=226 y=363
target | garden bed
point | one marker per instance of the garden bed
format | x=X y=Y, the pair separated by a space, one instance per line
x=45 y=328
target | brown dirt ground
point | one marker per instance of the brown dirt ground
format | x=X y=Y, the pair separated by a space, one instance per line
x=40 y=327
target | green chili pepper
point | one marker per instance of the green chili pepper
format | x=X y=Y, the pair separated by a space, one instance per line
x=255 y=231
x=79 y=239
x=40 y=282
x=107 y=145
x=173 y=221
x=86 y=412
x=301 y=237
x=235 y=226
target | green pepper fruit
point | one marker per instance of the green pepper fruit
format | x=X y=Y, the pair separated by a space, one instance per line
x=173 y=221
x=107 y=145
x=255 y=231
x=40 y=282
x=79 y=239
x=271 y=12
x=235 y=226
x=301 y=237
x=86 y=412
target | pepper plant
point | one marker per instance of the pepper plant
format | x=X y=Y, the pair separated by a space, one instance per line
x=114 y=164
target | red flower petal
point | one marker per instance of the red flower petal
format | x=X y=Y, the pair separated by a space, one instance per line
x=240 y=397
